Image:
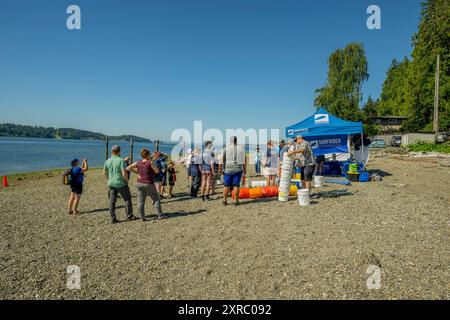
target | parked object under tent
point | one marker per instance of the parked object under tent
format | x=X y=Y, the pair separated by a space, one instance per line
x=330 y=135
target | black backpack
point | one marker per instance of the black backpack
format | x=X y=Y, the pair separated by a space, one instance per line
x=67 y=176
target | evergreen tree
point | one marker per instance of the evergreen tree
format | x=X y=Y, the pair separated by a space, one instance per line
x=393 y=98
x=347 y=71
x=431 y=39
x=369 y=110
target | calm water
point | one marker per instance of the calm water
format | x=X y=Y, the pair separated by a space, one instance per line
x=19 y=155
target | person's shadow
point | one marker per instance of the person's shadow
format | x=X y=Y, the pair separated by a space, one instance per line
x=244 y=202
x=177 y=214
x=102 y=209
x=177 y=197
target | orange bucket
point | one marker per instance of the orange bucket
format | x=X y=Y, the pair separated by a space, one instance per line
x=243 y=193
x=255 y=193
x=266 y=192
x=274 y=192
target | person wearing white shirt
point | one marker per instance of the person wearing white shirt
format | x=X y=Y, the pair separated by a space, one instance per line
x=207 y=170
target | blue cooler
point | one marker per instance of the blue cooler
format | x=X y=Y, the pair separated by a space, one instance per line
x=364 y=176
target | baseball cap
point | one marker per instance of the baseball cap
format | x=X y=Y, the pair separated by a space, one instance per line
x=115 y=148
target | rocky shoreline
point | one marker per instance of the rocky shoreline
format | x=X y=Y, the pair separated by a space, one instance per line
x=262 y=249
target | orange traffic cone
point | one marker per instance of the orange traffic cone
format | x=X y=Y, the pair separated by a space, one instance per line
x=5 y=181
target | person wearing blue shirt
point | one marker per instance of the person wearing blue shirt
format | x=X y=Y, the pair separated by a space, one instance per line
x=76 y=184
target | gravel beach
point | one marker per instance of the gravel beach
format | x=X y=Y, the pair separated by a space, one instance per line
x=263 y=249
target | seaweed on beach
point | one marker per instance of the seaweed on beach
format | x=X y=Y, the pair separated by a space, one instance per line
x=332 y=194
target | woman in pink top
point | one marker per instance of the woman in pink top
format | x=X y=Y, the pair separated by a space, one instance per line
x=145 y=185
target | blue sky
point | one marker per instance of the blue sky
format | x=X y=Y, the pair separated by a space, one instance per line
x=148 y=67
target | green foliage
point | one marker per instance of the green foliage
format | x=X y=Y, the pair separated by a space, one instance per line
x=393 y=98
x=17 y=130
x=409 y=86
x=347 y=71
x=432 y=38
x=429 y=147
x=368 y=111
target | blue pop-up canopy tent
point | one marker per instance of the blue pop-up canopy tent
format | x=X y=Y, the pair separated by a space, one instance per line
x=325 y=132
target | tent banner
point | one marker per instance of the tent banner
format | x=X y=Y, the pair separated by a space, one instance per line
x=328 y=144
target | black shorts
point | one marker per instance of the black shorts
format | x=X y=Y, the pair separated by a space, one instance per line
x=76 y=188
x=307 y=173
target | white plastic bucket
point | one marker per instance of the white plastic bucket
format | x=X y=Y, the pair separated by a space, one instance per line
x=285 y=179
x=286 y=175
x=283 y=191
x=287 y=166
x=318 y=181
x=283 y=196
x=284 y=186
x=303 y=197
x=287 y=159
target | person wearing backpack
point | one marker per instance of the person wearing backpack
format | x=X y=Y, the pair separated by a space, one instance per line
x=161 y=177
x=74 y=177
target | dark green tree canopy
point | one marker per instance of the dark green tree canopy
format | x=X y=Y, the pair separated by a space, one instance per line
x=432 y=39
x=393 y=99
x=347 y=71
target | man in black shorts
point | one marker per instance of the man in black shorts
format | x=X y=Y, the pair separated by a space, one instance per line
x=303 y=151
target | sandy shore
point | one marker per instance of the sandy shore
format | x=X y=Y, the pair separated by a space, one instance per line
x=261 y=249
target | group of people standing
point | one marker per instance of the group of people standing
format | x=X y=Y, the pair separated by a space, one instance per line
x=269 y=163
x=203 y=170
x=152 y=175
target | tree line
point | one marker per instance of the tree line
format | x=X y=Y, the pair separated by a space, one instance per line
x=408 y=89
x=17 y=130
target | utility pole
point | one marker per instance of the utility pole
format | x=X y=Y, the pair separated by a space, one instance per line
x=436 y=101
x=131 y=149
x=106 y=148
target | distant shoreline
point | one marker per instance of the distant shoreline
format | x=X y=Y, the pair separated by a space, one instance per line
x=92 y=139
x=29 y=154
x=81 y=139
x=26 y=131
